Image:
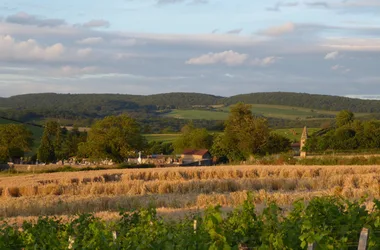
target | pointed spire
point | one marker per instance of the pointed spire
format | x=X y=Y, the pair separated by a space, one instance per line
x=304 y=137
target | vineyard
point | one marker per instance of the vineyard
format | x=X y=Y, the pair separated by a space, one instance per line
x=330 y=223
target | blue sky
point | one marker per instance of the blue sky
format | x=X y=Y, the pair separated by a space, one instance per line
x=219 y=47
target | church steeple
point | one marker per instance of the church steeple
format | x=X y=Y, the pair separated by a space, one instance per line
x=304 y=137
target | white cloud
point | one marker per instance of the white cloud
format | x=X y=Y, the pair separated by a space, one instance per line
x=229 y=75
x=278 y=5
x=97 y=23
x=265 y=61
x=10 y=49
x=125 y=42
x=337 y=67
x=340 y=68
x=230 y=58
x=27 y=19
x=198 y=39
x=332 y=55
x=347 y=71
x=73 y=71
x=84 y=52
x=279 y=30
x=234 y=31
x=91 y=40
x=317 y=4
x=353 y=44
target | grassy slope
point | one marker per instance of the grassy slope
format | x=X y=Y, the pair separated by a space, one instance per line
x=198 y=114
x=161 y=137
x=292 y=134
x=273 y=111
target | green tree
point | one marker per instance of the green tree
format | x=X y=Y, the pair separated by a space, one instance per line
x=15 y=140
x=276 y=144
x=344 y=117
x=219 y=148
x=114 y=137
x=194 y=138
x=244 y=134
x=51 y=143
x=45 y=152
x=159 y=147
x=71 y=142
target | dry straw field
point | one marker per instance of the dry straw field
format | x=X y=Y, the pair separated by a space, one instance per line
x=179 y=189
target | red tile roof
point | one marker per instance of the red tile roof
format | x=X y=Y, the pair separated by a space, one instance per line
x=195 y=152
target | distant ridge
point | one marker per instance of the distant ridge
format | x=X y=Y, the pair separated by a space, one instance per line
x=108 y=103
x=304 y=100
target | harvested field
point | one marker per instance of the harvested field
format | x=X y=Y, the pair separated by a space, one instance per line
x=179 y=188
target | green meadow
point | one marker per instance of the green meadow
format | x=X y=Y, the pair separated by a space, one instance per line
x=161 y=137
x=194 y=114
x=293 y=134
x=272 y=111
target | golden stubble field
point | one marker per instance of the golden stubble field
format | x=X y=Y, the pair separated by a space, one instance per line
x=173 y=190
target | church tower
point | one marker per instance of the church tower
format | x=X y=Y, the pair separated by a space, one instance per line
x=303 y=142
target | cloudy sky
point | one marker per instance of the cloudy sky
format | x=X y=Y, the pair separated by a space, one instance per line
x=221 y=47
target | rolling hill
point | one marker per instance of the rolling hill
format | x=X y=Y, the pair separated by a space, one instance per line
x=265 y=110
x=310 y=101
x=171 y=110
x=109 y=102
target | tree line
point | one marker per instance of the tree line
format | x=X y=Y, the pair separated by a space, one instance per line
x=346 y=134
x=105 y=104
x=244 y=136
x=121 y=137
x=84 y=109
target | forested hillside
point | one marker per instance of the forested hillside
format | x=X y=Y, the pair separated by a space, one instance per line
x=158 y=112
x=104 y=103
x=324 y=102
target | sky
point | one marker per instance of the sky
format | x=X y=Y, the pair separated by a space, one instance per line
x=219 y=47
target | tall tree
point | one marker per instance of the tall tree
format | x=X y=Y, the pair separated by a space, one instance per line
x=244 y=133
x=114 y=137
x=15 y=140
x=51 y=143
x=71 y=142
x=45 y=152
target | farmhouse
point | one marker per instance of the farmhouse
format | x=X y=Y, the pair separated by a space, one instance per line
x=194 y=157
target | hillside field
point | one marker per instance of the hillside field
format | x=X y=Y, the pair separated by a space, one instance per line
x=270 y=111
x=192 y=114
x=293 y=134
x=161 y=137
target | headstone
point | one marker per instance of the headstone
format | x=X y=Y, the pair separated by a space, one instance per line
x=139 y=160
